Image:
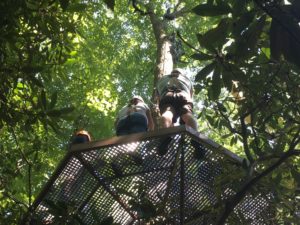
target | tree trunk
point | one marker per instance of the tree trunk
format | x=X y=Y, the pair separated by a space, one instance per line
x=164 y=58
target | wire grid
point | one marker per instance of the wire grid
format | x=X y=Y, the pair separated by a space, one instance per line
x=132 y=183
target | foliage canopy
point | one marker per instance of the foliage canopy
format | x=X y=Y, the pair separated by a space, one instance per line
x=67 y=65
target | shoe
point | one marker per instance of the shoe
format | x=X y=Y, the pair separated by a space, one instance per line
x=117 y=169
x=162 y=148
x=200 y=151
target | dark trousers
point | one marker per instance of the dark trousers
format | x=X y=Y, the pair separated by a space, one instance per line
x=134 y=123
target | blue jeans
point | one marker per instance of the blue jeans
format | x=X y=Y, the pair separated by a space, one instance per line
x=134 y=123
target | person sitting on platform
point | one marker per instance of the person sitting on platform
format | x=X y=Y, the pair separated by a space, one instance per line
x=134 y=117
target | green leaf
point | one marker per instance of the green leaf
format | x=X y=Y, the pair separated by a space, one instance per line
x=64 y=4
x=227 y=79
x=231 y=72
x=210 y=120
x=44 y=99
x=215 y=89
x=277 y=42
x=60 y=112
x=246 y=44
x=212 y=10
x=242 y=23
x=296 y=175
x=201 y=56
x=36 y=81
x=239 y=7
x=206 y=44
x=202 y=74
x=77 y=7
x=216 y=36
x=110 y=4
x=53 y=100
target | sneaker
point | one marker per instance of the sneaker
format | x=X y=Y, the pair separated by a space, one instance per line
x=199 y=150
x=117 y=169
x=162 y=148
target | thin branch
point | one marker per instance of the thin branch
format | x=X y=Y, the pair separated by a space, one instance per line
x=185 y=42
x=176 y=14
x=18 y=146
x=28 y=163
x=137 y=9
x=245 y=140
x=17 y=201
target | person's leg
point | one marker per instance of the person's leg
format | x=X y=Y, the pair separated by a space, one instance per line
x=189 y=120
x=167 y=118
x=123 y=127
x=138 y=123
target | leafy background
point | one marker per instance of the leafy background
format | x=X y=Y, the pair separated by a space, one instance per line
x=67 y=65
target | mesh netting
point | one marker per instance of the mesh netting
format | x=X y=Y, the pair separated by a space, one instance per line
x=169 y=179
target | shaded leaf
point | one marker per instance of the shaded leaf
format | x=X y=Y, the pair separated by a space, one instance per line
x=227 y=79
x=202 y=74
x=239 y=7
x=44 y=99
x=296 y=175
x=242 y=23
x=53 y=100
x=77 y=7
x=277 y=42
x=59 y=112
x=215 y=89
x=64 y=4
x=206 y=44
x=212 y=10
x=36 y=81
x=247 y=42
x=110 y=4
x=216 y=36
x=201 y=56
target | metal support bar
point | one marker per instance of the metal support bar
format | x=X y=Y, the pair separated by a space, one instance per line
x=106 y=187
x=182 y=177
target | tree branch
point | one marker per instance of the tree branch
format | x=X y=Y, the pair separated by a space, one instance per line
x=245 y=140
x=185 y=42
x=231 y=203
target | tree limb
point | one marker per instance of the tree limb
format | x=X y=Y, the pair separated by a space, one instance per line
x=231 y=203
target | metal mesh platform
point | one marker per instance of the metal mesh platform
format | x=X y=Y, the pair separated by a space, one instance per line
x=168 y=177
